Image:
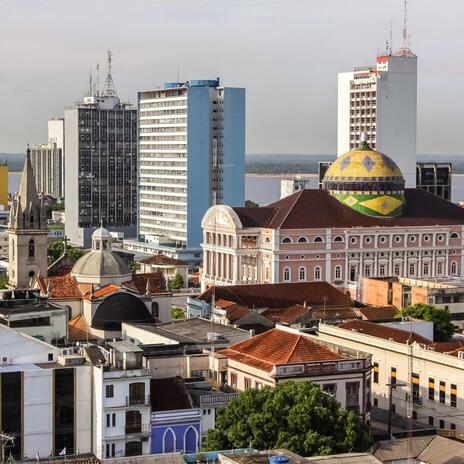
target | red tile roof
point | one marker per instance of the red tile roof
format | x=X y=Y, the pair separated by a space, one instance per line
x=372 y=313
x=285 y=315
x=236 y=312
x=103 y=291
x=78 y=329
x=382 y=331
x=138 y=283
x=451 y=347
x=62 y=286
x=224 y=303
x=163 y=260
x=292 y=212
x=279 y=295
x=277 y=347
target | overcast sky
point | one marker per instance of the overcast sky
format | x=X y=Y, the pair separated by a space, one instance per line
x=287 y=54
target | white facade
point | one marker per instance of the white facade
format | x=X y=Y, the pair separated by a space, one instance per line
x=381 y=101
x=191 y=155
x=290 y=186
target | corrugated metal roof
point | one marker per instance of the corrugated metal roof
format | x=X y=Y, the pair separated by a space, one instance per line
x=402 y=448
x=346 y=458
x=443 y=451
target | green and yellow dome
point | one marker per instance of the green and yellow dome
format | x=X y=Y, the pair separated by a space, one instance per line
x=367 y=181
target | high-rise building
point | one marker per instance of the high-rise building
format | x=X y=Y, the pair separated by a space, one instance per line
x=101 y=164
x=381 y=101
x=435 y=178
x=191 y=156
x=56 y=135
x=46 y=161
x=289 y=186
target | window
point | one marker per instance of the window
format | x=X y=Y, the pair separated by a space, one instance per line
x=108 y=420
x=442 y=392
x=397 y=269
x=453 y=426
x=338 y=239
x=454 y=235
x=425 y=269
x=454 y=268
x=414 y=415
x=412 y=269
x=302 y=274
x=258 y=385
x=431 y=389
x=286 y=240
x=108 y=450
x=31 y=249
x=415 y=387
x=442 y=424
x=367 y=270
x=302 y=240
x=287 y=274
x=317 y=273
x=330 y=388
x=376 y=402
x=376 y=372
x=426 y=238
x=318 y=239
x=353 y=240
x=338 y=272
x=352 y=272
x=233 y=379
x=266 y=273
x=397 y=239
x=440 y=268
x=382 y=270
x=440 y=238
x=431 y=421
x=50 y=356
x=453 y=395
x=393 y=376
x=137 y=393
x=368 y=240
x=109 y=391
x=412 y=238
x=113 y=422
x=247 y=383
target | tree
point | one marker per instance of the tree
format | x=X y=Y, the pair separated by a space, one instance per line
x=75 y=253
x=177 y=313
x=250 y=204
x=3 y=281
x=442 y=327
x=177 y=282
x=55 y=250
x=298 y=416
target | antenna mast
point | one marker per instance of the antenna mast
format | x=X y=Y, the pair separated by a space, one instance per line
x=405 y=36
x=110 y=91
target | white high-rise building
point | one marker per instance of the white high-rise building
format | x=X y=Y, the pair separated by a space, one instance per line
x=381 y=101
x=191 y=153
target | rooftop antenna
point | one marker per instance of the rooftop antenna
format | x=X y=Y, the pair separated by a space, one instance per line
x=110 y=91
x=391 y=36
x=97 y=85
x=405 y=36
x=90 y=83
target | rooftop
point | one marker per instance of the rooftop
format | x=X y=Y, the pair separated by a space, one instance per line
x=277 y=347
x=421 y=208
x=372 y=313
x=169 y=394
x=382 y=331
x=281 y=295
x=163 y=260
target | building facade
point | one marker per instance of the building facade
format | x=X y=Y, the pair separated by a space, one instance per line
x=370 y=228
x=429 y=375
x=381 y=100
x=191 y=156
x=435 y=178
x=47 y=161
x=101 y=167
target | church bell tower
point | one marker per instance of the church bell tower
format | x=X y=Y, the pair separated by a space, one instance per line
x=27 y=233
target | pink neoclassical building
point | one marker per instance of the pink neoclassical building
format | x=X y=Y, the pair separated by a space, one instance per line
x=359 y=225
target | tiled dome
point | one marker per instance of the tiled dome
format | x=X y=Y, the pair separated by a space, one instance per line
x=367 y=181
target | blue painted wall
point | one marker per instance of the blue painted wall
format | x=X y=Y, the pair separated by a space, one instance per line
x=158 y=433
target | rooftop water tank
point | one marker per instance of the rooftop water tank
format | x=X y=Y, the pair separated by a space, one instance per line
x=281 y=459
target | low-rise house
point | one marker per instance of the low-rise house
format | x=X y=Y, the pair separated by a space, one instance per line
x=170 y=267
x=284 y=354
x=426 y=376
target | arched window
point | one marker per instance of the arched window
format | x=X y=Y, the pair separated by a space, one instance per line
x=317 y=273
x=302 y=240
x=190 y=440
x=382 y=270
x=338 y=238
x=286 y=274
x=31 y=220
x=286 y=240
x=31 y=249
x=454 y=268
x=412 y=269
x=267 y=240
x=367 y=270
x=169 y=441
x=302 y=274
x=338 y=273
x=454 y=235
x=425 y=268
x=440 y=268
x=318 y=239
x=397 y=269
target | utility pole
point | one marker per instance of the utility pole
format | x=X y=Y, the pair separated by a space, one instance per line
x=391 y=386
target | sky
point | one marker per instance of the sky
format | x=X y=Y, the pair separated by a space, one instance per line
x=286 y=53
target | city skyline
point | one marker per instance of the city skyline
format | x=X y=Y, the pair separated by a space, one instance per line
x=246 y=43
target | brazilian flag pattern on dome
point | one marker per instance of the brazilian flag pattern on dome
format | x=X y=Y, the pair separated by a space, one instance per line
x=367 y=181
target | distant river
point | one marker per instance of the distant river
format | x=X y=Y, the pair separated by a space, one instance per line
x=266 y=188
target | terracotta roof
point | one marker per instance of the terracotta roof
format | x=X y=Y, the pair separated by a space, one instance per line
x=450 y=347
x=78 y=329
x=281 y=295
x=61 y=286
x=382 y=331
x=236 y=312
x=318 y=209
x=371 y=313
x=285 y=315
x=277 y=347
x=138 y=283
x=163 y=260
x=223 y=303
x=103 y=291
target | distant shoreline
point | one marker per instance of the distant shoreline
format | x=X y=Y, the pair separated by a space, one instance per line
x=289 y=175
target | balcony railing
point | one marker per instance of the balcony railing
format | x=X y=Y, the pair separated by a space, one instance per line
x=138 y=400
x=134 y=428
x=212 y=401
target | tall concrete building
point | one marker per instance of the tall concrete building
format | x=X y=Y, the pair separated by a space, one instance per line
x=47 y=161
x=381 y=101
x=101 y=165
x=191 y=156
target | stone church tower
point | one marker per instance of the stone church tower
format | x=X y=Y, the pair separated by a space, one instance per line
x=27 y=232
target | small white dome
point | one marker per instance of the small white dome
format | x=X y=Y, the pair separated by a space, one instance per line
x=101 y=232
